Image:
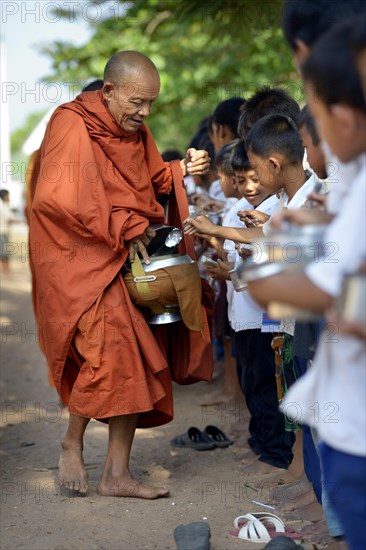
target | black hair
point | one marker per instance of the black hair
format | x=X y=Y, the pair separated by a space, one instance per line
x=239 y=158
x=307 y=20
x=171 y=154
x=223 y=158
x=276 y=134
x=307 y=120
x=227 y=113
x=3 y=193
x=331 y=68
x=93 y=86
x=202 y=132
x=359 y=36
x=206 y=144
x=266 y=101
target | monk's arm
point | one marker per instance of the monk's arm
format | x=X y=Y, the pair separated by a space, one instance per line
x=295 y=289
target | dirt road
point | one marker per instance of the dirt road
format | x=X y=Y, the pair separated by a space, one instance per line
x=37 y=514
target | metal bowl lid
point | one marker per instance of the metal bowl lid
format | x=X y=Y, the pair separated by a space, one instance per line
x=161 y=262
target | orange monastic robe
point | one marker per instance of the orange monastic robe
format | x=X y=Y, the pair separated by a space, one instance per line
x=95 y=191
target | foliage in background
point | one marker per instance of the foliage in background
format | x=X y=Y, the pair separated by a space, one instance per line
x=17 y=139
x=205 y=52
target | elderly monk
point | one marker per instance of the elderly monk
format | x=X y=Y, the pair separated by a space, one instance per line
x=99 y=174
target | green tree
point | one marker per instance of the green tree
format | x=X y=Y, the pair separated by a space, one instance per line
x=205 y=52
x=19 y=136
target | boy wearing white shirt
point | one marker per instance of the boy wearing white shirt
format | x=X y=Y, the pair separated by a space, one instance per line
x=255 y=359
x=331 y=395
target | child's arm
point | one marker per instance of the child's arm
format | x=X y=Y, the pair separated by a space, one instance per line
x=202 y=225
x=221 y=272
x=253 y=218
x=295 y=289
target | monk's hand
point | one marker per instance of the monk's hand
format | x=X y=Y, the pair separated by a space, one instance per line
x=195 y=162
x=138 y=244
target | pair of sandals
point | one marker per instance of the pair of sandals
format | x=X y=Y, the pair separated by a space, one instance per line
x=261 y=527
x=208 y=439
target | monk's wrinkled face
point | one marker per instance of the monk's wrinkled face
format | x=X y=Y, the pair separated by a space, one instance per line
x=130 y=101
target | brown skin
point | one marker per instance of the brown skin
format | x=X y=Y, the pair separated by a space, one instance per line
x=290 y=288
x=314 y=153
x=131 y=85
x=130 y=89
x=301 y=216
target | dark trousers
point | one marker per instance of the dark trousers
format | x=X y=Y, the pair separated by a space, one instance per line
x=310 y=454
x=345 y=485
x=256 y=373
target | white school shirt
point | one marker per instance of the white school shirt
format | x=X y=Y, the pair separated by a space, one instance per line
x=332 y=395
x=243 y=312
x=297 y=201
x=340 y=175
x=216 y=192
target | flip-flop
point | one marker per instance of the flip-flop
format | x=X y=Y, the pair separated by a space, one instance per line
x=217 y=436
x=194 y=536
x=194 y=439
x=262 y=527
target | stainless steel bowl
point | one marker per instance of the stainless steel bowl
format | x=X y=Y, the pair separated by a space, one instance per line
x=293 y=245
x=160 y=262
x=351 y=304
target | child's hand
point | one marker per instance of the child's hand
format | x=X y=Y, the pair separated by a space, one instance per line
x=300 y=216
x=253 y=218
x=199 y=226
x=244 y=252
x=206 y=202
x=316 y=201
x=221 y=272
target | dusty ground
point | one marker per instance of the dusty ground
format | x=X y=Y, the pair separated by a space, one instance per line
x=37 y=514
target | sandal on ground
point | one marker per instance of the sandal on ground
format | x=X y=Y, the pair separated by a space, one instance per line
x=194 y=439
x=217 y=436
x=262 y=527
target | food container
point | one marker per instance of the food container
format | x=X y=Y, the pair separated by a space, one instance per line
x=293 y=245
x=351 y=304
x=286 y=312
x=288 y=250
x=163 y=296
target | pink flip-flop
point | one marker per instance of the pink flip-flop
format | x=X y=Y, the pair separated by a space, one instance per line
x=261 y=527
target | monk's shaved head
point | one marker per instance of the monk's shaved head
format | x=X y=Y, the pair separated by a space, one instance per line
x=123 y=65
x=131 y=85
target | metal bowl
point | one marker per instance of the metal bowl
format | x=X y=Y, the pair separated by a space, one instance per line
x=294 y=245
x=351 y=304
x=161 y=262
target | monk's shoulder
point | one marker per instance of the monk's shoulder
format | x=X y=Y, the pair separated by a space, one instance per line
x=65 y=121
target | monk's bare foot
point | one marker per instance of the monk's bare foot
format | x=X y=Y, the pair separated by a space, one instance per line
x=259 y=468
x=71 y=469
x=128 y=487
